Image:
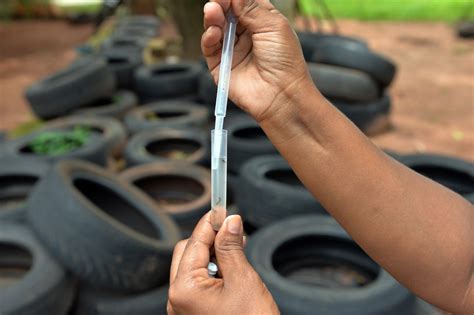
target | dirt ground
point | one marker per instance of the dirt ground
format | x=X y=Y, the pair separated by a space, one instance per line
x=433 y=94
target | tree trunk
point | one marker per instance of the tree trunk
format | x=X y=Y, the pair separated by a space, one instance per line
x=142 y=7
x=188 y=16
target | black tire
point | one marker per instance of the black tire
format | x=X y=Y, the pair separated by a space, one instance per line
x=95 y=301
x=81 y=83
x=310 y=40
x=311 y=266
x=105 y=231
x=342 y=83
x=466 y=29
x=167 y=80
x=45 y=289
x=110 y=129
x=269 y=191
x=147 y=21
x=167 y=114
x=134 y=30
x=369 y=116
x=378 y=67
x=182 y=190
x=453 y=173
x=116 y=106
x=165 y=145
x=245 y=140
x=207 y=92
x=132 y=43
x=18 y=176
x=94 y=150
x=123 y=62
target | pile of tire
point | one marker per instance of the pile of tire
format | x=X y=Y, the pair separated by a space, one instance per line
x=91 y=230
x=352 y=77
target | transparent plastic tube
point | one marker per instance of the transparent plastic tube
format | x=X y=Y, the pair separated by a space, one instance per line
x=218 y=178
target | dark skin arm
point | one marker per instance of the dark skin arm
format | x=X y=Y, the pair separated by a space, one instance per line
x=420 y=232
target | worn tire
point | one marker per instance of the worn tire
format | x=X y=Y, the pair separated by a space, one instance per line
x=269 y=191
x=77 y=202
x=182 y=190
x=135 y=30
x=342 y=83
x=245 y=140
x=174 y=114
x=130 y=43
x=164 y=81
x=368 y=116
x=123 y=62
x=116 y=106
x=110 y=129
x=378 y=67
x=148 y=21
x=158 y=146
x=310 y=40
x=45 y=289
x=293 y=258
x=82 y=82
x=94 y=151
x=95 y=301
x=18 y=176
x=453 y=173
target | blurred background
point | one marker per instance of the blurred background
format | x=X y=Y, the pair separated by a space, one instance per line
x=432 y=93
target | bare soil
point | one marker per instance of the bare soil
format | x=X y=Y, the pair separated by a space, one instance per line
x=433 y=94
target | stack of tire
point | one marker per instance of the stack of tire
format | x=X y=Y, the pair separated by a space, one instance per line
x=352 y=76
x=92 y=231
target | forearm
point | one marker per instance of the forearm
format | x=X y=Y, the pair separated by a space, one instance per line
x=417 y=230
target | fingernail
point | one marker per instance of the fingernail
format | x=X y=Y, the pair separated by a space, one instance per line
x=234 y=224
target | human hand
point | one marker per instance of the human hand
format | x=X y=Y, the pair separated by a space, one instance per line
x=268 y=65
x=239 y=291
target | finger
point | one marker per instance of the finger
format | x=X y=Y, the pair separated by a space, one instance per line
x=229 y=247
x=225 y=4
x=211 y=46
x=213 y=15
x=256 y=15
x=177 y=254
x=196 y=255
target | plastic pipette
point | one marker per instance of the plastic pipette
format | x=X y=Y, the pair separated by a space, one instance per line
x=219 y=135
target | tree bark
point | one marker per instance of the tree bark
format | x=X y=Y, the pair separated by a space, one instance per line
x=142 y=7
x=188 y=16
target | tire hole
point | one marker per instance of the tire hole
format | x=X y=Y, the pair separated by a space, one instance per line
x=171 y=190
x=173 y=149
x=250 y=133
x=15 y=262
x=286 y=177
x=325 y=262
x=14 y=190
x=115 y=206
x=170 y=70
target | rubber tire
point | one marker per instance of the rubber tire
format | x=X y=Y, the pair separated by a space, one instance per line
x=94 y=151
x=263 y=200
x=121 y=103
x=454 y=173
x=342 y=83
x=310 y=40
x=148 y=21
x=383 y=296
x=167 y=80
x=98 y=248
x=134 y=30
x=123 y=62
x=365 y=115
x=46 y=289
x=378 y=67
x=112 y=130
x=186 y=215
x=96 y=301
x=81 y=83
x=192 y=115
x=131 y=43
x=20 y=168
x=240 y=149
x=207 y=91
x=136 y=152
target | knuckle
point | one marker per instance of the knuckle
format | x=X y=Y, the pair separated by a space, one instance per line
x=175 y=296
x=180 y=245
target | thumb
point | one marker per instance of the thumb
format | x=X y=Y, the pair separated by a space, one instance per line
x=229 y=249
x=256 y=15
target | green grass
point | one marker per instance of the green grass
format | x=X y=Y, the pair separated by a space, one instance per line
x=86 y=8
x=396 y=10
